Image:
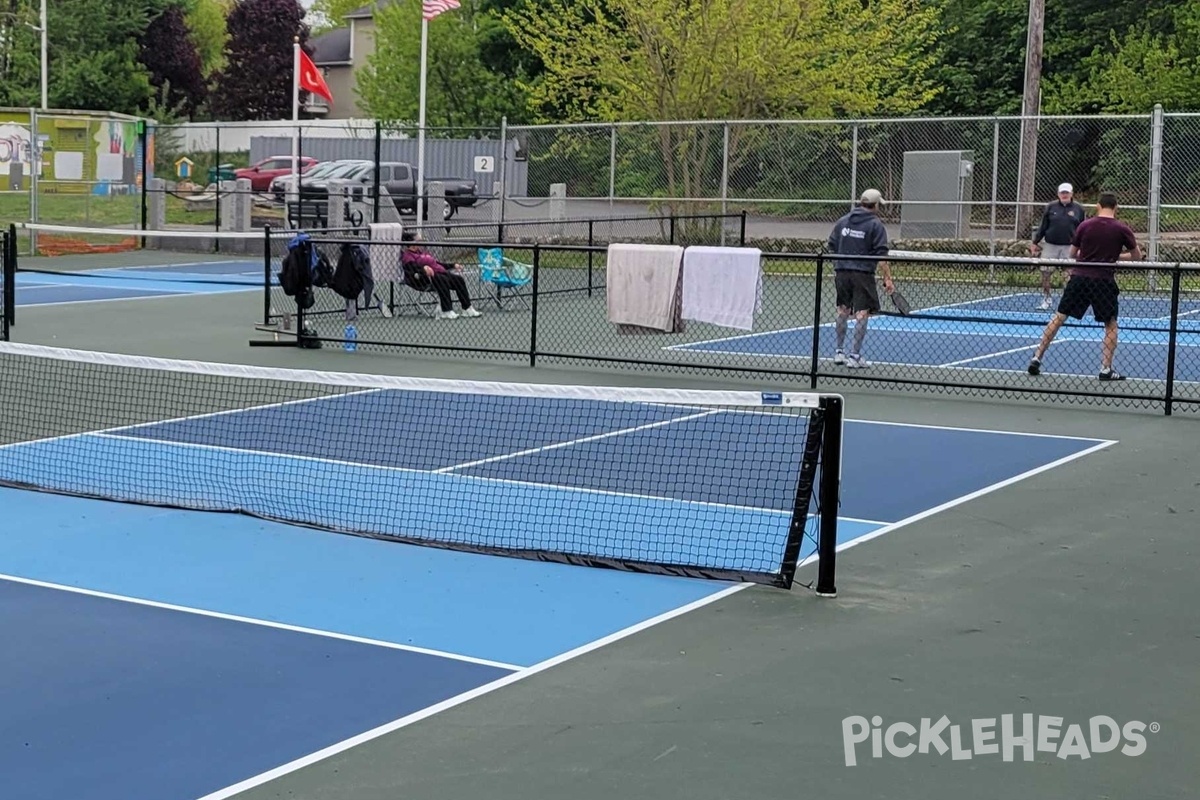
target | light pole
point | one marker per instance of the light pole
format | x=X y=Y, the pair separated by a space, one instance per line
x=45 y=60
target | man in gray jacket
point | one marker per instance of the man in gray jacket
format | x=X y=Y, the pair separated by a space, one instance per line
x=859 y=233
x=1054 y=235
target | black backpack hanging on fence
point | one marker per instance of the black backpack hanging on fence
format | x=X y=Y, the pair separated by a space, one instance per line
x=296 y=272
x=347 y=279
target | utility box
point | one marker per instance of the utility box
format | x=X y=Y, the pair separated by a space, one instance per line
x=936 y=194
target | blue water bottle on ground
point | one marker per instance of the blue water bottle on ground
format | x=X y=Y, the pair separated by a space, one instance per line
x=351 y=339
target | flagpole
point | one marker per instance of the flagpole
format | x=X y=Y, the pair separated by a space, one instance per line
x=296 y=126
x=421 y=125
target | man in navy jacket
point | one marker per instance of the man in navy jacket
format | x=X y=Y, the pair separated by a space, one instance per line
x=859 y=233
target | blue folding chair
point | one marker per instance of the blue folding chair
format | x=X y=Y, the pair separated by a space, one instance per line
x=504 y=273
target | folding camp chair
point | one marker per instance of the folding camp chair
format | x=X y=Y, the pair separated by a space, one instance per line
x=504 y=273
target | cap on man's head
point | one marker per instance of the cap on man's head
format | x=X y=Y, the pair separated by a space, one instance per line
x=871 y=197
x=1066 y=187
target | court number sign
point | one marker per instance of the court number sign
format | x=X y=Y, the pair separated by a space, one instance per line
x=485 y=164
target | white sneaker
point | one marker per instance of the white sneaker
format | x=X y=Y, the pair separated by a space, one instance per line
x=855 y=361
x=470 y=312
x=839 y=357
x=1045 y=304
x=448 y=315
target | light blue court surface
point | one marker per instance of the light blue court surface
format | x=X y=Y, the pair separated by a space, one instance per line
x=297 y=640
x=132 y=283
x=997 y=333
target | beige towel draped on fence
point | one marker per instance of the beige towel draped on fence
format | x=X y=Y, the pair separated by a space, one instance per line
x=645 y=287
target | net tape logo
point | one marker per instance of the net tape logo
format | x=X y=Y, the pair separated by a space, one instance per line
x=1100 y=734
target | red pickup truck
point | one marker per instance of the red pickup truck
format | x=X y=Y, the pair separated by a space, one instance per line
x=261 y=174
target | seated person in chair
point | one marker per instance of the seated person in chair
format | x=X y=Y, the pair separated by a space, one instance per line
x=422 y=272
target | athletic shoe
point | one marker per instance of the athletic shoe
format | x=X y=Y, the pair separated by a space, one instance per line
x=854 y=361
x=470 y=312
x=1045 y=304
x=839 y=357
x=1035 y=366
x=1111 y=375
x=448 y=315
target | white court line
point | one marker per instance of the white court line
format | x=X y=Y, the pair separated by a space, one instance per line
x=992 y=355
x=403 y=722
x=383 y=730
x=184 y=419
x=686 y=346
x=968 y=497
x=582 y=440
x=159 y=295
x=259 y=622
x=411 y=471
x=981 y=430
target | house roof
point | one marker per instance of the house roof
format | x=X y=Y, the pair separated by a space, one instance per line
x=332 y=47
x=367 y=11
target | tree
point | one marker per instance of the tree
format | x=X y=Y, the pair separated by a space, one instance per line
x=1157 y=61
x=206 y=21
x=627 y=60
x=19 y=68
x=330 y=14
x=170 y=55
x=256 y=82
x=461 y=89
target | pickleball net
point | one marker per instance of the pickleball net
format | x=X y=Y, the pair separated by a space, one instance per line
x=731 y=485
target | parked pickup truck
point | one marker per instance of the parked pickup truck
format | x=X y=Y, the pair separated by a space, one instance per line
x=399 y=179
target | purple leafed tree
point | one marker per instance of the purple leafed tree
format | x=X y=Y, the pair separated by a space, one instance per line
x=256 y=82
x=169 y=55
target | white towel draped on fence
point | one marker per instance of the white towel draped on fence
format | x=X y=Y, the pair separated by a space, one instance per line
x=722 y=285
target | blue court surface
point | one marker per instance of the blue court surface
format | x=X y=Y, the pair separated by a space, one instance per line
x=162 y=654
x=997 y=333
x=133 y=283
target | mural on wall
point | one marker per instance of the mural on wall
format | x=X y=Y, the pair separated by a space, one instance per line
x=14 y=154
x=79 y=154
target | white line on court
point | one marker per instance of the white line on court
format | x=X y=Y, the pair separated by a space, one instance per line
x=403 y=722
x=581 y=440
x=259 y=622
x=383 y=730
x=405 y=470
x=968 y=497
x=997 y=354
x=159 y=295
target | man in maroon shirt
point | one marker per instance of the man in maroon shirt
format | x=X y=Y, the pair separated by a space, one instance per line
x=1103 y=239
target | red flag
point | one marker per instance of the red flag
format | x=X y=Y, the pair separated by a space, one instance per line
x=311 y=79
x=431 y=8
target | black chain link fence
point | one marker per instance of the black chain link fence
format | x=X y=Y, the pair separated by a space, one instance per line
x=972 y=328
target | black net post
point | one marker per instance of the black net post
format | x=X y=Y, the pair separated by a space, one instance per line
x=829 y=494
x=10 y=279
x=143 y=142
x=533 y=321
x=6 y=278
x=217 y=173
x=267 y=275
x=742 y=230
x=816 y=322
x=378 y=158
x=1173 y=338
x=591 y=255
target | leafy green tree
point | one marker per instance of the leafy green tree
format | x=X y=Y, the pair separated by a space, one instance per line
x=461 y=89
x=627 y=60
x=256 y=82
x=170 y=55
x=206 y=21
x=329 y=14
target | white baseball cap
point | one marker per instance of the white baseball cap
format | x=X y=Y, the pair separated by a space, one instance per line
x=872 y=197
x=1066 y=187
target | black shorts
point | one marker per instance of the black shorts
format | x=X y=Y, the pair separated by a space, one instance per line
x=856 y=290
x=1081 y=293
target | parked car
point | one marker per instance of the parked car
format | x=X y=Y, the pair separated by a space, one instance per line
x=399 y=179
x=326 y=169
x=261 y=174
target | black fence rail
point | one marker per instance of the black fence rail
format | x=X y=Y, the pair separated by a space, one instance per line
x=971 y=326
x=8 y=281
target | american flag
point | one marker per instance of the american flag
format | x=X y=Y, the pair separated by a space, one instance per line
x=431 y=8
